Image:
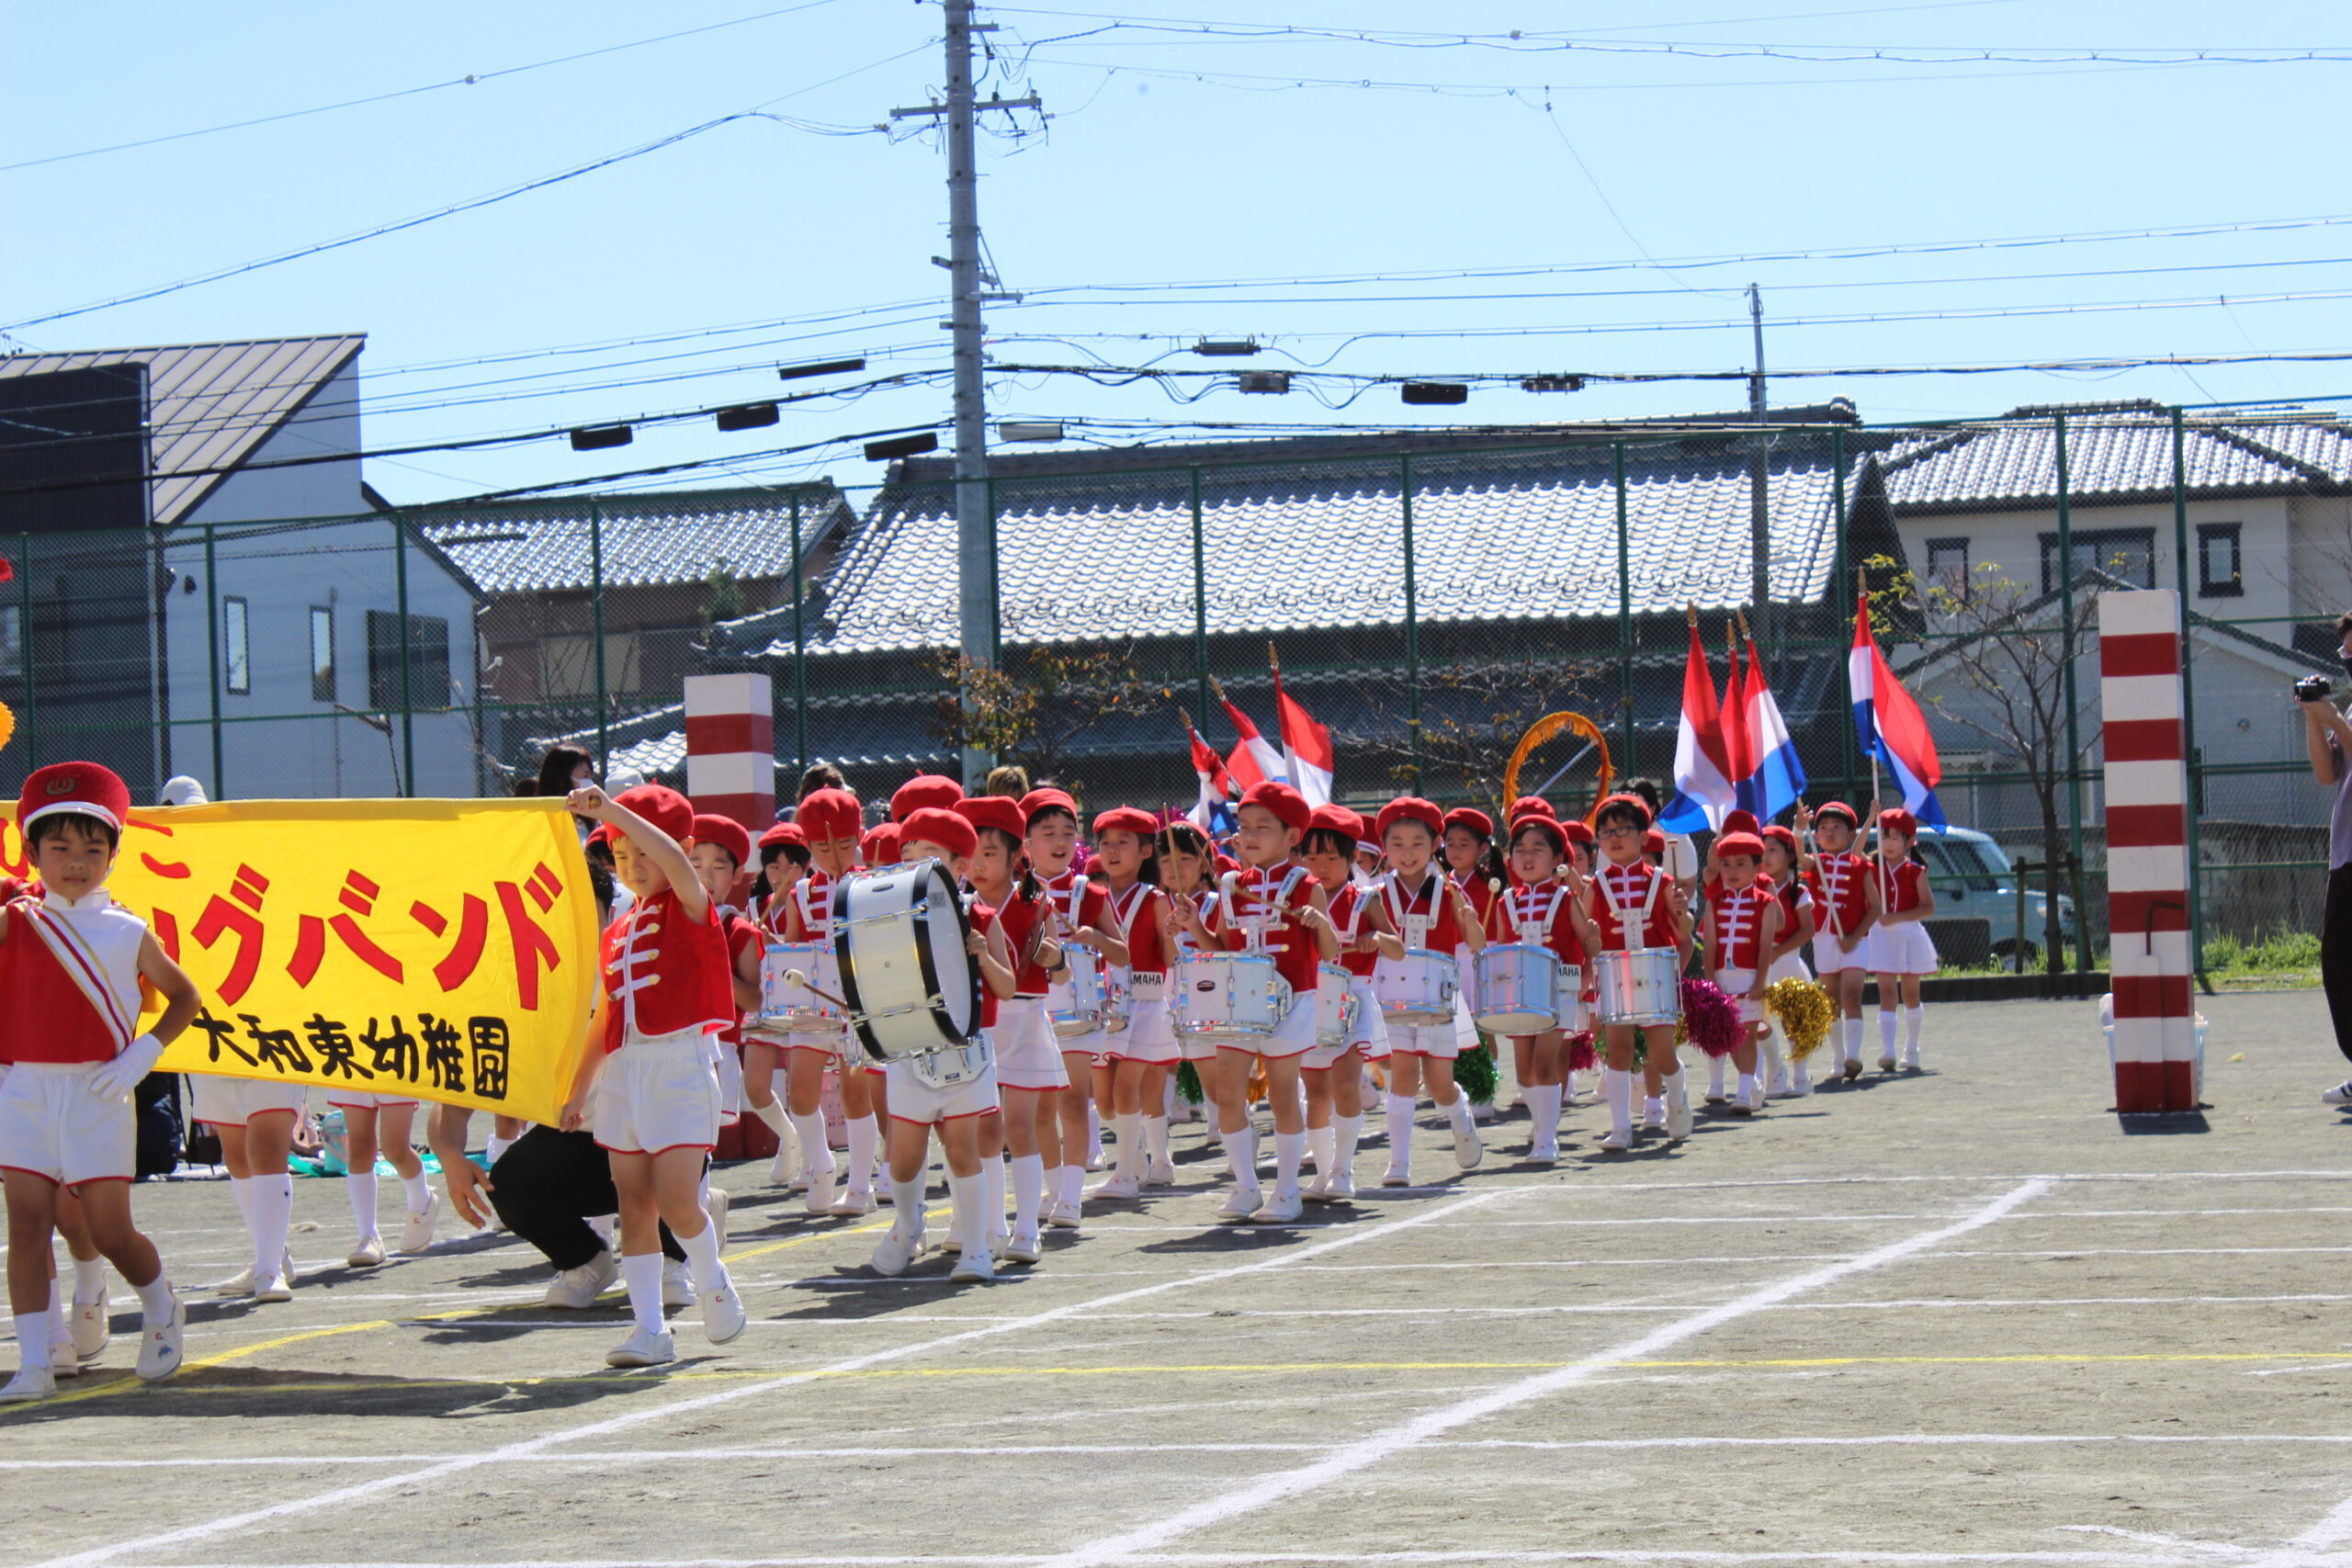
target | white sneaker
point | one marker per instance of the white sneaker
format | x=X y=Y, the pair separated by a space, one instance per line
x=853 y=1204
x=1094 y=1158
x=90 y=1328
x=1342 y=1188
x=782 y=1170
x=576 y=1290
x=1853 y=1069
x=1911 y=1057
x=677 y=1284
x=1544 y=1154
x=1159 y=1173
x=159 y=1347
x=1122 y=1186
x=975 y=1268
x=896 y=1250
x=1801 y=1084
x=369 y=1254
x=1396 y=1176
x=1062 y=1216
x=1244 y=1202
x=1481 y=1113
x=1782 y=1089
x=1653 y=1121
x=416 y=1231
x=821 y=1189
x=276 y=1287
x=1467 y=1150
x=1756 y=1099
x=643 y=1347
x=29 y=1384
x=1318 y=1190
x=62 y=1362
x=2340 y=1094
x=1617 y=1139
x=1717 y=1096
x=715 y=1212
x=1284 y=1208
x=723 y=1317
x=1886 y=1061
x=1020 y=1248
x=1677 y=1119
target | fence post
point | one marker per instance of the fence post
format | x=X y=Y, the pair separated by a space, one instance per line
x=2066 y=651
x=1847 y=763
x=407 y=783
x=596 y=611
x=1412 y=621
x=212 y=656
x=800 y=645
x=1628 y=767
x=996 y=586
x=1200 y=605
x=2190 y=753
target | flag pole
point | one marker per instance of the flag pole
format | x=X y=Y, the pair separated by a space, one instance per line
x=1878 y=852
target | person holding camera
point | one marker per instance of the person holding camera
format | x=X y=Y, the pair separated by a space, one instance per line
x=2329 y=739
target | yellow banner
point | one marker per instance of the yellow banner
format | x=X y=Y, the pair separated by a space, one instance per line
x=444 y=949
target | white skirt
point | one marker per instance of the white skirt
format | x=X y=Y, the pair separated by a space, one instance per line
x=1902 y=948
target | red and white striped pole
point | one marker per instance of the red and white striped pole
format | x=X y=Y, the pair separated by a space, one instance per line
x=731 y=748
x=2147 y=852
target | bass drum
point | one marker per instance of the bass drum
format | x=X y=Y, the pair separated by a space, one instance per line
x=911 y=986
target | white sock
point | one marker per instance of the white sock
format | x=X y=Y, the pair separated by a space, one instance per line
x=90 y=1279
x=1167 y=1098
x=992 y=1193
x=1093 y=1132
x=1459 y=1112
x=1746 y=1085
x=1913 y=1019
x=641 y=1272
x=497 y=1146
x=361 y=1191
x=702 y=1252
x=272 y=1216
x=419 y=1191
x=154 y=1300
x=864 y=1138
x=1886 y=1031
x=32 y=1339
x=56 y=1307
x=1241 y=1148
x=1715 y=1075
x=1851 y=1039
x=1397 y=1111
x=1568 y=1086
x=1290 y=1152
x=605 y=1225
x=816 y=1154
x=1670 y=1085
x=1618 y=1089
x=1155 y=1140
x=1653 y=1107
x=1129 y=1129
x=1073 y=1185
x=772 y=1114
x=1028 y=1191
x=241 y=1188
x=1345 y=1131
x=970 y=1200
x=1775 y=1062
x=1544 y=1110
x=908 y=1220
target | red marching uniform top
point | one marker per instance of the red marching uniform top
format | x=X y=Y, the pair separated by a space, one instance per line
x=810 y=904
x=1430 y=907
x=1797 y=895
x=982 y=917
x=69 y=979
x=1740 y=925
x=666 y=974
x=1348 y=905
x=1271 y=902
x=1899 y=886
x=1136 y=917
x=741 y=933
x=1090 y=904
x=1629 y=904
x=1845 y=892
x=1480 y=891
x=1020 y=916
x=1540 y=915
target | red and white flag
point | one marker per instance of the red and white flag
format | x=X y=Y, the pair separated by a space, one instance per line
x=1307 y=748
x=1255 y=759
x=1212 y=814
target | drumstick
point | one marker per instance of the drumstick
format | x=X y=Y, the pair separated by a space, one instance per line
x=795 y=977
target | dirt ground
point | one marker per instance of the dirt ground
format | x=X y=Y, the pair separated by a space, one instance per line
x=1963 y=1316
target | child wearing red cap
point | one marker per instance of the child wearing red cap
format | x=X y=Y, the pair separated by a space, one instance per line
x=1433 y=914
x=668 y=991
x=1900 y=953
x=1742 y=931
x=1015 y=912
x=830 y=818
x=1850 y=908
x=1785 y=872
x=1081 y=922
x=1143 y=1055
x=1632 y=904
x=784 y=860
x=1188 y=879
x=1271 y=906
x=1539 y=909
x=74 y=968
x=1334 y=1074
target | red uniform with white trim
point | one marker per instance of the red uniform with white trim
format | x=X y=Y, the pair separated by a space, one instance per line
x=668 y=998
x=1191 y=1047
x=1028 y=1056
x=1260 y=914
x=1425 y=919
x=1629 y=904
x=1739 y=915
x=1150 y=1033
x=1079 y=903
x=69 y=1002
x=1844 y=904
x=805 y=917
x=1904 y=948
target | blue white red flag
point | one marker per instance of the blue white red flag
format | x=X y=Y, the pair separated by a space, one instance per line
x=1256 y=759
x=1703 y=789
x=1773 y=778
x=1889 y=723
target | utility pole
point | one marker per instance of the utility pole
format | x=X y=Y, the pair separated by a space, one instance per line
x=1759 y=495
x=975 y=526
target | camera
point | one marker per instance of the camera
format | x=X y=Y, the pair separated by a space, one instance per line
x=2312 y=689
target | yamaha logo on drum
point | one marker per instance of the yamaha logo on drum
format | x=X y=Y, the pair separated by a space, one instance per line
x=1205 y=985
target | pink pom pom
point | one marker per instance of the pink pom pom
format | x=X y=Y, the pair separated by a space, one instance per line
x=1582 y=1057
x=1712 y=1017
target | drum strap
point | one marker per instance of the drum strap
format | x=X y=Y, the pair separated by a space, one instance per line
x=1125 y=918
x=1405 y=913
x=1522 y=903
x=1617 y=909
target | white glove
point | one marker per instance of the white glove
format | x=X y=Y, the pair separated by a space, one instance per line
x=117 y=1078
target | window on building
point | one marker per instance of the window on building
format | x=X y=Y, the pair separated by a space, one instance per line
x=321 y=653
x=1947 y=565
x=428 y=661
x=2127 y=555
x=236 y=652
x=2218 y=567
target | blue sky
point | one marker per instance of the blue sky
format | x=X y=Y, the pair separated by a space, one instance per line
x=1175 y=156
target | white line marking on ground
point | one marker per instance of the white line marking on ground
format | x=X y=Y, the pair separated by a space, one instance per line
x=1371 y=1450
x=142 y=1548
x=2315 y=1545
x=2176 y=1558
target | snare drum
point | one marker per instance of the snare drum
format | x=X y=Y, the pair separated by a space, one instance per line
x=785 y=1008
x=1518 y=988
x=1335 y=1006
x=1568 y=999
x=1231 y=996
x=1642 y=986
x=951 y=1064
x=910 y=985
x=1116 y=1002
x=1076 y=1004
x=1417 y=988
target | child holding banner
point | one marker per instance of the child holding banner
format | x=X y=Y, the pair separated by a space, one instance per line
x=74 y=968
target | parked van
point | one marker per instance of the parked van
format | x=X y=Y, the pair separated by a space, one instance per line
x=1971 y=877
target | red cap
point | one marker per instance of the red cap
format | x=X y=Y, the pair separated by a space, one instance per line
x=1548 y=826
x=1785 y=836
x=1741 y=822
x=726 y=834
x=1038 y=800
x=1579 y=831
x=951 y=831
x=602 y=833
x=662 y=808
x=1225 y=863
x=88 y=788
x=1654 y=842
x=830 y=814
x=1288 y=806
x=924 y=789
x=880 y=845
x=1126 y=820
x=783 y=834
x=1635 y=801
x=1470 y=816
x=1898 y=820
x=1838 y=809
x=1093 y=866
x=1532 y=805
x=1413 y=808
x=1739 y=844
x=1000 y=812
x=1338 y=820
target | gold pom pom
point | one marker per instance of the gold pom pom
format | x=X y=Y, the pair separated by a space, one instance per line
x=1804 y=1010
x=8 y=724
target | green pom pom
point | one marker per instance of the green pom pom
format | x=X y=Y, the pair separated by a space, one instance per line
x=1188 y=1084
x=1477 y=1072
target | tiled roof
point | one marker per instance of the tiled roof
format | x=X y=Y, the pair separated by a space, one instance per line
x=210 y=405
x=2114 y=453
x=1505 y=536
x=647 y=540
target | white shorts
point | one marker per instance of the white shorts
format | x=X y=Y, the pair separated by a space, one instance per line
x=730 y=1082
x=230 y=1103
x=1150 y=1033
x=1438 y=1040
x=1466 y=1028
x=1733 y=983
x=361 y=1100
x=658 y=1094
x=1790 y=966
x=1902 y=948
x=1828 y=958
x=911 y=1100
x=1292 y=1038
x=51 y=1125
x=1368 y=1036
x=1095 y=1045
x=1027 y=1055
